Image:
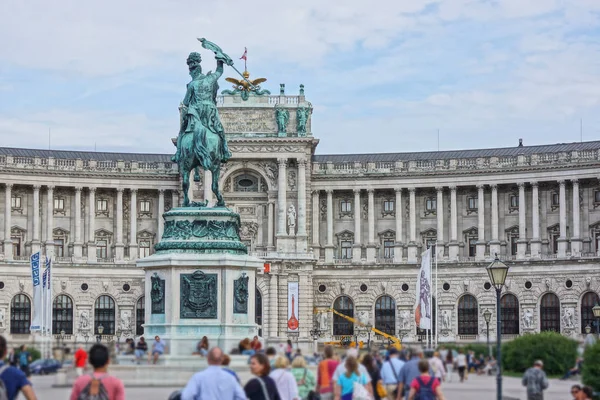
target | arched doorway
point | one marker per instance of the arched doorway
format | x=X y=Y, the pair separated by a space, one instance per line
x=588 y=301
x=385 y=315
x=62 y=315
x=550 y=313
x=510 y=314
x=341 y=326
x=468 y=315
x=104 y=314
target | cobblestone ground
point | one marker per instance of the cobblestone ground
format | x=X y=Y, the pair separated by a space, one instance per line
x=475 y=388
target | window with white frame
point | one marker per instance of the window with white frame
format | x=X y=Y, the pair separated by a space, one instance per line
x=15 y=203
x=513 y=202
x=144 y=248
x=554 y=201
x=596 y=198
x=345 y=207
x=346 y=241
x=472 y=204
x=102 y=207
x=59 y=204
x=512 y=237
x=389 y=207
x=59 y=247
x=430 y=205
x=388 y=248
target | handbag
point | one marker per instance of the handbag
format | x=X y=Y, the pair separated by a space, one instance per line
x=359 y=392
x=264 y=388
x=381 y=391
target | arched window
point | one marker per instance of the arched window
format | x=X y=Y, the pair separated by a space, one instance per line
x=468 y=314
x=341 y=326
x=589 y=300
x=258 y=311
x=62 y=315
x=385 y=315
x=20 y=315
x=140 y=316
x=550 y=313
x=104 y=314
x=510 y=314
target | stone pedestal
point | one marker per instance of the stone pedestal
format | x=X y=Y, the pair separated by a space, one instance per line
x=480 y=251
x=536 y=248
x=329 y=254
x=576 y=246
x=453 y=251
x=521 y=249
x=371 y=252
x=412 y=252
x=200 y=282
x=495 y=248
x=563 y=243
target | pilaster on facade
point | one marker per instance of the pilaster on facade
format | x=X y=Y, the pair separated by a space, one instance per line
x=329 y=247
x=357 y=247
x=50 y=223
x=453 y=246
x=371 y=244
x=576 y=242
x=412 y=245
x=78 y=243
x=133 y=246
x=161 y=210
x=119 y=245
x=398 y=246
x=481 y=242
x=522 y=242
x=563 y=241
x=535 y=243
x=91 y=223
x=495 y=243
x=35 y=237
x=8 y=254
x=439 y=248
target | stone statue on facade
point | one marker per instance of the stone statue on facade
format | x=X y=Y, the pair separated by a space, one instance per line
x=405 y=319
x=568 y=318
x=527 y=319
x=301 y=120
x=2 y=317
x=84 y=320
x=282 y=116
x=446 y=319
x=291 y=217
x=125 y=323
x=201 y=141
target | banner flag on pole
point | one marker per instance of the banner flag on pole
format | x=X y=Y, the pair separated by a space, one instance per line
x=423 y=311
x=36 y=320
x=48 y=296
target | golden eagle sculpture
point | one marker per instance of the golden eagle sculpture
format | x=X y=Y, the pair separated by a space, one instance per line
x=246 y=86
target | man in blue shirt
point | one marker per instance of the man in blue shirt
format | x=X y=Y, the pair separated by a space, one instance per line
x=213 y=382
x=14 y=380
x=409 y=372
x=390 y=372
x=158 y=349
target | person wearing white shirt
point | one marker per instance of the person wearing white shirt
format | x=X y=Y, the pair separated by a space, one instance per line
x=436 y=364
x=284 y=379
x=461 y=364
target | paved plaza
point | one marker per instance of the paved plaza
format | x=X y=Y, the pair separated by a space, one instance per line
x=476 y=388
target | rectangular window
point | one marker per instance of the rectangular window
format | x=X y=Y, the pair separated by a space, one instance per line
x=101 y=248
x=388 y=206
x=472 y=203
x=555 y=243
x=144 y=248
x=555 y=200
x=472 y=247
x=16 y=246
x=145 y=206
x=514 y=201
x=346 y=250
x=59 y=247
x=388 y=249
x=15 y=202
x=430 y=243
x=59 y=204
x=102 y=205
x=597 y=196
x=345 y=206
x=513 y=245
x=431 y=204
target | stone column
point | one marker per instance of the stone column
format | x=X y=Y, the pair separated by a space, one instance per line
x=50 y=223
x=412 y=245
x=494 y=243
x=562 y=240
x=440 y=222
x=161 y=211
x=329 y=247
x=454 y=248
x=174 y=198
x=281 y=198
x=119 y=234
x=302 y=199
x=133 y=246
x=91 y=218
x=399 y=231
x=270 y=217
x=536 y=243
x=481 y=243
x=207 y=187
x=371 y=244
x=575 y=234
x=356 y=251
x=273 y=309
x=78 y=244
x=8 y=251
x=315 y=223
x=522 y=242
x=35 y=237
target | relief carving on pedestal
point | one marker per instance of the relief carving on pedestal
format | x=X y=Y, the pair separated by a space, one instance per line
x=198 y=295
x=157 y=294
x=240 y=294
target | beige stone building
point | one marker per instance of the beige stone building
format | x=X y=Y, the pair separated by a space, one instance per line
x=348 y=228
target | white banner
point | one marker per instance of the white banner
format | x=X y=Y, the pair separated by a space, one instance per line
x=48 y=296
x=293 y=322
x=36 y=320
x=423 y=311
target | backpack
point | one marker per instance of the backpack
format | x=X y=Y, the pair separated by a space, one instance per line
x=425 y=391
x=95 y=390
x=3 y=392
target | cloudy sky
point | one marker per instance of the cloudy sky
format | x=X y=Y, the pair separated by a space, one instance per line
x=382 y=76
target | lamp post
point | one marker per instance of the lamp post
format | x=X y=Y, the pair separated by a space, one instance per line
x=315 y=333
x=497 y=272
x=596 y=311
x=369 y=327
x=100 y=332
x=487 y=315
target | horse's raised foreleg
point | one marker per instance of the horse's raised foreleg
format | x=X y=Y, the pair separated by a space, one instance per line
x=185 y=176
x=215 y=186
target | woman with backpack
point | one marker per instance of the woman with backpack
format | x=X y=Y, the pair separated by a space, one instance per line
x=305 y=379
x=425 y=386
x=352 y=384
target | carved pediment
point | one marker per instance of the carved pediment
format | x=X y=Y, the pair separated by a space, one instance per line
x=146 y=234
x=472 y=231
x=429 y=232
x=345 y=235
x=387 y=234
x=60 y=232
x=103 y=233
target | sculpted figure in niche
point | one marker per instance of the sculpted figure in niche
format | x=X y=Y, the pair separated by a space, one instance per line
x=324 y=321
x=291 y=217
x=302 y=119
x=446 y=319
x=568 y=318
x=125 y=320
x=528 y=319
x=282 y=116
x=2 y=318
x=84 y=320
x=405 y=319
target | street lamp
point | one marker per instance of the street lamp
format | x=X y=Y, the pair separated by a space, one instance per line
x=596 y=311
x=369 y=327
x=497 y=272
x=588 y=329
x=487 y=315
x=100 y=332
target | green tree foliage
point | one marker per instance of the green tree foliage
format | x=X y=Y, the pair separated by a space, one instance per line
x=558 y=353
x=591 y=366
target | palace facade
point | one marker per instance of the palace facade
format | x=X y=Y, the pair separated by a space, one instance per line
x=349 y=228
